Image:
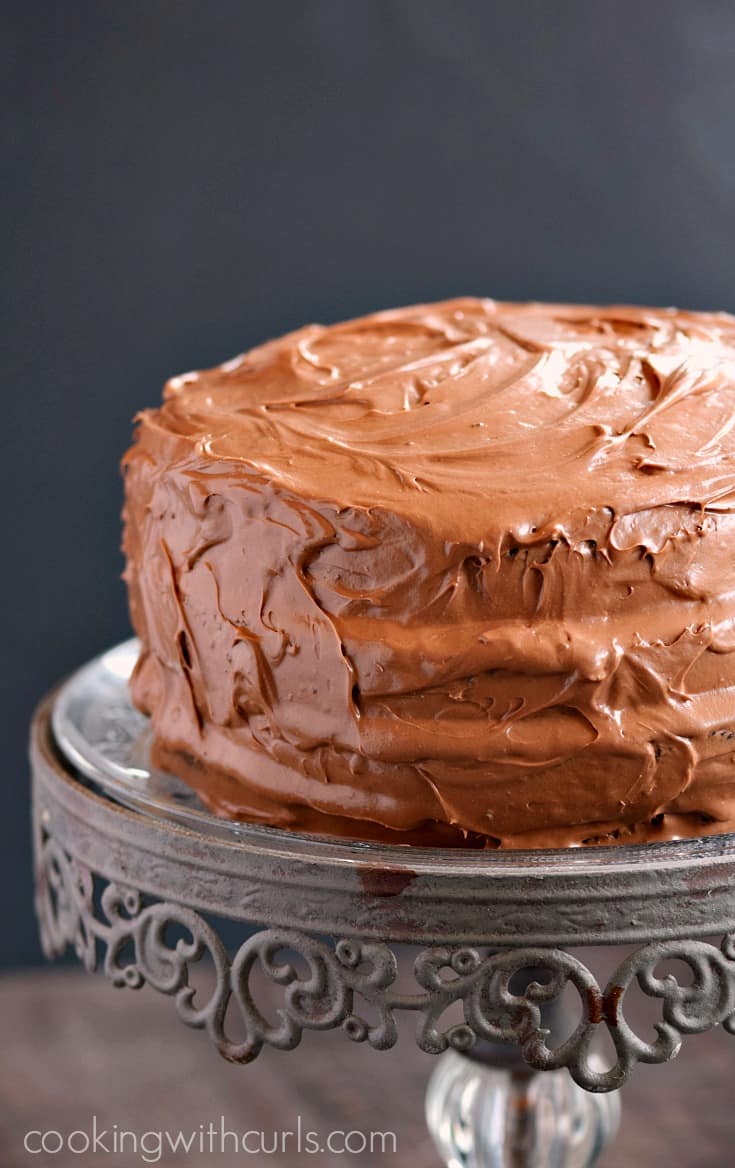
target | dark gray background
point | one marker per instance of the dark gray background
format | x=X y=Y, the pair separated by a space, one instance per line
x=184 y=179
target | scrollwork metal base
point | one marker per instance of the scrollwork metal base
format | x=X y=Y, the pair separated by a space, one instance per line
x=351 y=983
x=485 y=940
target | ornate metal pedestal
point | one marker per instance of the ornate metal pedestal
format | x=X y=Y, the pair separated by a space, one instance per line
x=130 y=872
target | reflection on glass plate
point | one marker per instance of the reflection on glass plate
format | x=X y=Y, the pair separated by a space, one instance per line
x=101 y=733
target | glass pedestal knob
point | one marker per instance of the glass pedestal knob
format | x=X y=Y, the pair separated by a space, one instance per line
x=484 y=1114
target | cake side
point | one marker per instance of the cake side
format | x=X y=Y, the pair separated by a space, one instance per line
x=459 y=572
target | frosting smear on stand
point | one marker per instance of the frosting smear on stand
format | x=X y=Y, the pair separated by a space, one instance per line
x=461 y=573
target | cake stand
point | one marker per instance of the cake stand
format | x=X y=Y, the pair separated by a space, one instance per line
x=134 y=875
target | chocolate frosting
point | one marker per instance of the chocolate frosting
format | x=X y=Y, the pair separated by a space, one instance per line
x=456 y=573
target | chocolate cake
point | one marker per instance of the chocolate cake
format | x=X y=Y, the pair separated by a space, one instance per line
x=457 y=574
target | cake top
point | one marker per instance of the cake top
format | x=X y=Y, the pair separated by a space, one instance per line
x=513 y=417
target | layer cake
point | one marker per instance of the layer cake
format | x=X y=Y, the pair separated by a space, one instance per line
x=457 y=574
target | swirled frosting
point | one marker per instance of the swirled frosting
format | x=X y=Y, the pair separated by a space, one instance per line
x=456 y=573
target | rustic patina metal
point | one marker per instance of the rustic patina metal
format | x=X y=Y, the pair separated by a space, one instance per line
x=113 y=883
x=338 y=926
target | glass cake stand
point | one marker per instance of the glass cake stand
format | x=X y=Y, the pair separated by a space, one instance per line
x=132 y=872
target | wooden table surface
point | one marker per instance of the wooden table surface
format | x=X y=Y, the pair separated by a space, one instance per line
x=72 y=1047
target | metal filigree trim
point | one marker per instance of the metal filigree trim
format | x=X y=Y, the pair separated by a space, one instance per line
x=342 y=985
